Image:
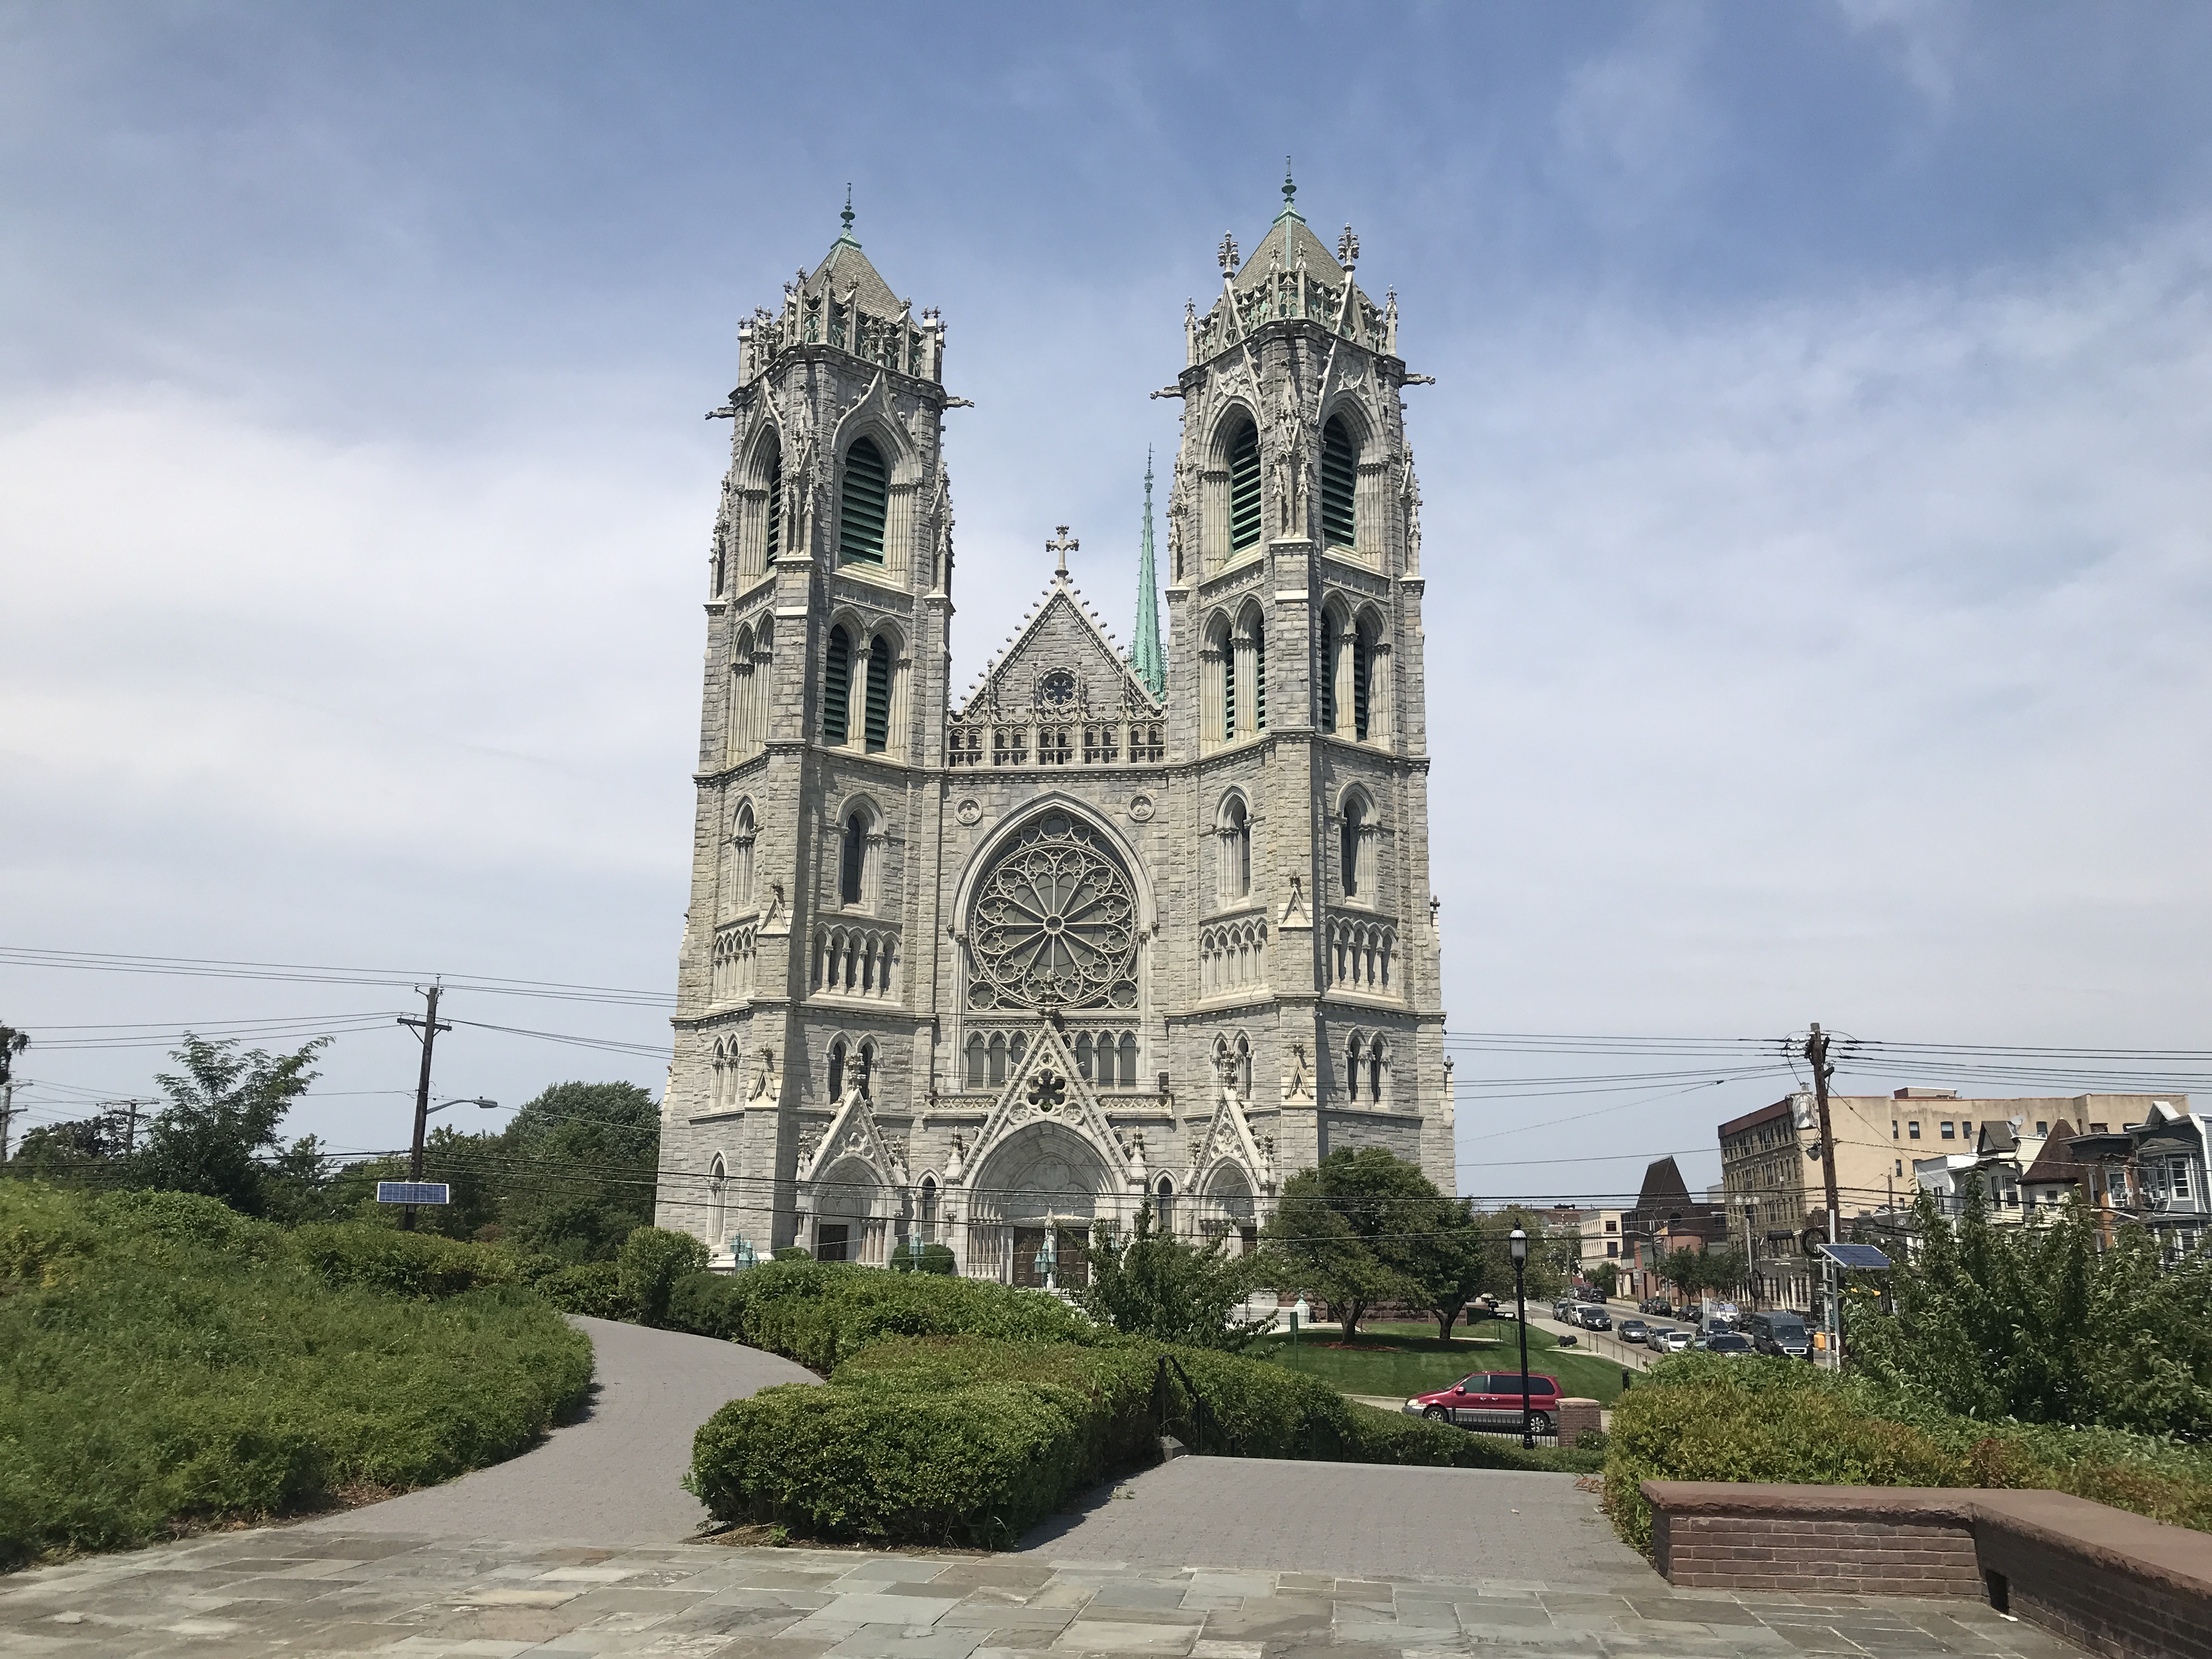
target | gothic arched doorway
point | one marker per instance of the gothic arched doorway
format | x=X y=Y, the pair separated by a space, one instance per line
x=1042 y=1185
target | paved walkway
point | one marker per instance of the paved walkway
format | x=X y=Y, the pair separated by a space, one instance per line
x=613 y=1477
x=1201 y=1559
x=295 y=1592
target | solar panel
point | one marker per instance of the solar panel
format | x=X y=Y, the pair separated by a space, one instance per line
x=1853 y=1255
x=413 y=1192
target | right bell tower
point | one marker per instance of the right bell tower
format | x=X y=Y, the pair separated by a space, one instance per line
x=1295 y=678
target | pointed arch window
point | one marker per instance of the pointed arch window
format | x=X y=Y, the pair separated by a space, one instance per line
x=998 y=1060
x=1259 y=675
x=853 y=858
x=979 y=1059
x=1128 y=1052
x=1328 y=632
x=878 y=718
x=1244 y=521
x=773 y=541
x=741 y=845
x=837 y=1068
x=1350 y=825
x=1351 y=1067
x=1236 y=850
x=1229 y=695
x=836 y=685
x=1363 y=668
x=718 y=1187
x=929 y=1209
x=862 y=503
x=1165 y=1203
x=1340 y=484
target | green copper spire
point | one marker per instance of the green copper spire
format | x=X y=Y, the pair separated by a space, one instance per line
x=846 y=235
x=1146 y=657
x=1290 y=197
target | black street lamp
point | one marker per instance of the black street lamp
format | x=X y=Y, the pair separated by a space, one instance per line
x=1519 y=1240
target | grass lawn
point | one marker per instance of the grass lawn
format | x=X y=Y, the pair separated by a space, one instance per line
x=1400 y=1360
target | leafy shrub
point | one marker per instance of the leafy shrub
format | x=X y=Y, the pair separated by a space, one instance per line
x=590 y=1288
x=1703 y=1418
x=164 y=1361
x=400 y=1264
x=651 y=1260
x=971 y=1440
x=914 y=1256
x=706 y=1304
x=795 y=1252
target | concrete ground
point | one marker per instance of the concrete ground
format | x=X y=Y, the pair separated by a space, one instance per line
x=612 y=1478
x=584 y=1549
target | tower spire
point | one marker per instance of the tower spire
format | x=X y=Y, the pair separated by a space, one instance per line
x=846 y=218
x=1146 y=657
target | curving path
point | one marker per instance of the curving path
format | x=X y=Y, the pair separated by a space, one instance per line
x=613 y=1477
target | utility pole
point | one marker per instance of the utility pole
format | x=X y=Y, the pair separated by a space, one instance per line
x=12 y=1044
x=1816 y=1056
x=127 y=1112
x=427 y=1028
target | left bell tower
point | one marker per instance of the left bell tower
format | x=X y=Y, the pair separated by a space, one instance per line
x=822 y=717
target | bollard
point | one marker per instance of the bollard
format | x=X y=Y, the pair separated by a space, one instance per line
x=1626 y=1376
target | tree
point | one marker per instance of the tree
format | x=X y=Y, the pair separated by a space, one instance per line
x=2037 y=1322
x=1456 y=1262
x=1349 y=1229
x=579 y=1167
x=223 y=1114
x=1542 y=1275
x=1604 y=1275
x=1684 y=1269
x=1154 y=1285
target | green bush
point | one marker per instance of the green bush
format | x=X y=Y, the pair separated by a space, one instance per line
x=706 y=1304
x=590 y=1288
x=401 y=1264
x=165 y=1361
x=914 y=1256
x=972 y=1440
x=651 y=1260
x=1703 y=1418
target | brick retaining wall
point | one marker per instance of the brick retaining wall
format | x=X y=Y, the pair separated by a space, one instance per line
x=2115 y=1583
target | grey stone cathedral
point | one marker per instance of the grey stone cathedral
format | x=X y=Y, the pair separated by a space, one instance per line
x=1110 y=927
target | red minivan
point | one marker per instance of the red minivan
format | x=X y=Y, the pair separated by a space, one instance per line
x=1491 y=1400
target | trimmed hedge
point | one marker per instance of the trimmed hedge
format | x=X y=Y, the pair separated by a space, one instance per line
x=166 y=1362
x=972 y=1440
x=818 y=1312
x=407 y=1264
x=1698 y=1417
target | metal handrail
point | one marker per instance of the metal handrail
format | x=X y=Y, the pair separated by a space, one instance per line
x=1203 y=1415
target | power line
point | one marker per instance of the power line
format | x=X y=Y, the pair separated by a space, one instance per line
x=318 y=973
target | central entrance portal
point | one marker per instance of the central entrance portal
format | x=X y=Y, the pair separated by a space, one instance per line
x=1073 y=1270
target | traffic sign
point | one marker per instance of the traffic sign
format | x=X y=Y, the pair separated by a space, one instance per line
x=413 y=1192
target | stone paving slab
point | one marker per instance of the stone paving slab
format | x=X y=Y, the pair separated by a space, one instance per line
x=447 y=1599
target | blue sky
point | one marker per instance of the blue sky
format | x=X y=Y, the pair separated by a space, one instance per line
x=1815 y=499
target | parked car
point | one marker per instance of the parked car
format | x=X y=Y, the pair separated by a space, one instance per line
x=1589 y=1293
x=1655 y=1338
x=1730 y=1342
x=1592 y=1316
x=1780 y=1334
x=1656 y=1304
x=1669 y=1341
x=1564 y=1311
x=1491 y=1400
x=1631 y=1330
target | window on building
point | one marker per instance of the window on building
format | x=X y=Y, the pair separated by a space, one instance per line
x=774 y=508
x=1613 y=1226
x=1612 y=1249
x=1900 y=1165
x=2042 y=1127
x=1340 y=484
x=1329 y=633
x=1912 y=1130
x=978 y=1059
x=2101 y=1128
x=997 y=1060
x=1236 y=849
x=1352 y=1053
x=1164 y=1204
x=836 y=685
x=1128 y=1053
x=837 y=1068
x=862 y=504
x=853 y=858
x=1228 y=693
x=1348 y=847
x=1245 y=520
x=1362 y=659
x=929 y=1209
x=879 y=696
x=1947 y=1130
x=1892 y=1128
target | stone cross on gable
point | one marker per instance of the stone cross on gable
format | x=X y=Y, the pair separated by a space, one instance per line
x=1063 y=546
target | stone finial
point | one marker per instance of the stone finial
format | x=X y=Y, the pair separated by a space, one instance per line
x=1062 y=545
x=1347 y=250
x=1228 y=255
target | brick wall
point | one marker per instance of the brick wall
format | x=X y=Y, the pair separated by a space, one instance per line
x=2115 y=1583
x=1932 y=1557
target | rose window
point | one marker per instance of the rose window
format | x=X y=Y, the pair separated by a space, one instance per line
x=1054 y=923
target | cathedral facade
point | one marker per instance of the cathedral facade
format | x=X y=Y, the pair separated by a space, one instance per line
x=1106 y=929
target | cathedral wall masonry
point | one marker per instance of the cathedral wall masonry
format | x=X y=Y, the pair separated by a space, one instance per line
x=1107 y=930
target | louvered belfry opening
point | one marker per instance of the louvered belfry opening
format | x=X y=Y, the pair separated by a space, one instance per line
x=879 y=696
x=1339 y=485
x=836 y=685
x=862 y=504
x=1228 y=692
x=1363 y=653
x=1244 y=488
x=1328 y=671
x=774 y=503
